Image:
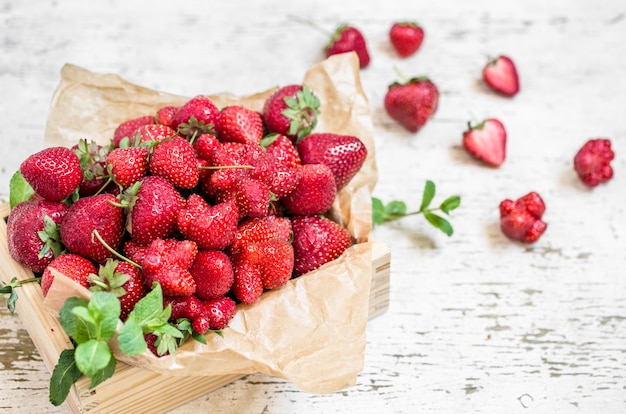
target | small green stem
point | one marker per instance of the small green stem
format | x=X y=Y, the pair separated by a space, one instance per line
x=109 y=248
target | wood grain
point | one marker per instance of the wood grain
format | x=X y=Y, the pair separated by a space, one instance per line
x=477 y=323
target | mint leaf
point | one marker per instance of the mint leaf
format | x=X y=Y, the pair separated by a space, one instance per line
x=450 y=204
x=92 y=356
x=103 y=374
x=149 y=307
x=395 y=209
x=64 y=375
x=19 y=189
x=130 y=339
x=428 y=195
x=72 y=324
x=378 y=211
x=438 y=222
x=105 y=308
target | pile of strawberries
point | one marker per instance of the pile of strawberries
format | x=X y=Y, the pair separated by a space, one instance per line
x=215 y=205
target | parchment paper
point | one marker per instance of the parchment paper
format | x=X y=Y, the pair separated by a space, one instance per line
x=312 y=331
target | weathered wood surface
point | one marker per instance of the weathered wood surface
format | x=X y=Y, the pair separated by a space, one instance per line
x=477 y=323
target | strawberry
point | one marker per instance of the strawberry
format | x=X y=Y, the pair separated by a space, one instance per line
x=317 y=240
x=32 y=234
x=500 y=74
x=154 y=210
x=406 y=38
x=92 y=158
x=165 y=115
x=167 y=262
x=412 y=103
x=252 y=198
x=175 y=160
x=183 y=306
x=213 y=274
x=128 y=129
x=592 y=162
x=284 y=181
x=123 y=280
x=348 y=39
x=75 y=267
x=343 y=154
x=240 y=124
x=292 y=111
x=205 y=145
x=259 y=229
x=127 y=165
x=87 y=215
x=153 y=132
x=220 y=311
x=521 y=219
x=486 y=141
x=247 y=285
x=54 y=173
x=135 y=251
x=210 y=227
x=196 y=116
x=315 y=192
x=282 y=149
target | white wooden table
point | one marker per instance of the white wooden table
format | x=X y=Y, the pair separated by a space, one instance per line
x=477 y=323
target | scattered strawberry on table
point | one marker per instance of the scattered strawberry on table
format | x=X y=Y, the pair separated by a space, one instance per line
x=486 y=141
x=592 y=162
x=406 y=37
x=348 y=38
x=412 y=102
x=521 y=219
x=500 y=74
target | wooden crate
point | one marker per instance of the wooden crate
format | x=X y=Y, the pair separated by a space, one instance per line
x=139 y=385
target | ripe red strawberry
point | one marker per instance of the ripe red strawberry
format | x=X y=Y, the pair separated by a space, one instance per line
x=284 y=181
x=220 y=311
x=315 y=191
x=316 y=241
x=406 y=37
x=135 y=251
x=165 y=115
x=75 y=267
x=412 y=103
x=259 y=229
x=100 y=213
x=500 y=74
x=240 y=124
x=127 y=165
x=123 y=280
x=153 y=132
x=54 y=172
x=210 y=227
x=252 y=198
x=175 y=160
x=521 y=219
x=154 y=210
x=183 y=306
x=282 y=149
x=248 y=285
x=32 y=234
x=592 y=162
x=486 y=141
x=197 y=116
x=92 y=158
x=167 y=262
x=213 y=274
x=348 y=39
x=128 y=129
x=292 y=111
x=343 y=154
x=205 y=145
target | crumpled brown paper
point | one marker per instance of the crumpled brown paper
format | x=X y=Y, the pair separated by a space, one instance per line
x=312 y=331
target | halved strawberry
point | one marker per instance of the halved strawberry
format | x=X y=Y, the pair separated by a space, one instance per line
x=486 y=141
x=500 y=74
x=71 y=265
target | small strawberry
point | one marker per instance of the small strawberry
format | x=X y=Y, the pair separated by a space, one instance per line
x=406 y=38
x=135 y=251
x=210 y=227
x=220 y=311
x=154 y=210
x=282 y=149
x=240 y=124
x=592 y=162
x=165 y=115
x=486 y=141
x=412 y=103
x=92 y=158
x=75 y=267
x=252 y=198
x=248 y=285
x=32 y=233
x=188 y=306
x=213 y=274
x=259 y=229
x=127 y=165
x=123 y=280
x=500 y=74
x=153 y=132
x=205 y=145
x=175 y=160
x=284 y=181
x=315 y=192
x=343 y=154
x=54 y=173
x=292 y=111
x=99 y=213
x=167 y=262
x=521 y=219
x=316 y=241
x=128 y=129
x=348 y=39
x=196 y=116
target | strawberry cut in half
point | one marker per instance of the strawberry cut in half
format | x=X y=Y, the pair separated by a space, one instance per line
x=500 y=74
x=486 y=141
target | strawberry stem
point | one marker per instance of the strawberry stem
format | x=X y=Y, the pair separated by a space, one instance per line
x=310 y=23
x=113 y=251
x=9 y=289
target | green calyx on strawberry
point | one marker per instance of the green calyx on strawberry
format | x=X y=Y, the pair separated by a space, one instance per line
x=197 y=116
x=93 y=159
x=292 y=111
x=412 y=103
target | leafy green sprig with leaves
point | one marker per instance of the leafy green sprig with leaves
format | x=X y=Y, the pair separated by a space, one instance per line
x=396 y=209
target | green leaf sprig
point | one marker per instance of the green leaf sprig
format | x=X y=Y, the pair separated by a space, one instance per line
x=9 y=289
x=396 y=209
